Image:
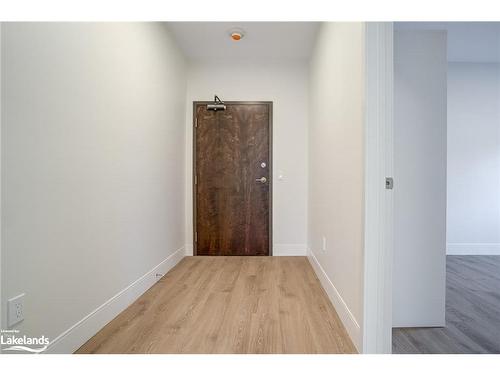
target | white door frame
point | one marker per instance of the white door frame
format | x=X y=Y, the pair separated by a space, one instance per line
x=3 y=318
x=378 y=249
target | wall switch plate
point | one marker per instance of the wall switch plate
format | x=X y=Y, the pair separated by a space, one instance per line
x=15 y=310
x=323 y=247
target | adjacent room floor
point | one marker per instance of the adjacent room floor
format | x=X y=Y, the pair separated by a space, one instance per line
x=472 y=311
x=229 y=305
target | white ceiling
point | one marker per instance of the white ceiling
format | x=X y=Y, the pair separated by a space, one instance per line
x=467 y=41
x=262 y=40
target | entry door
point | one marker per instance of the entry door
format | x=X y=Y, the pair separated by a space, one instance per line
x=232 y=181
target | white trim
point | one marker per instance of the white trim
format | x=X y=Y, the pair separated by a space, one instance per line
x=74 y=337
x=347 y=317
x=378 y=248
x=290 y=250
x=189 y=250
x=473 y=249
x=3 y=318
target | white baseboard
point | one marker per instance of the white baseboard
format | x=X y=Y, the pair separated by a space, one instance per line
x=74 y=337
x=289 y=250
x=473 y=249
x=189 y=250
x=348 y=319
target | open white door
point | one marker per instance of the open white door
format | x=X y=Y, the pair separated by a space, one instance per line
x=419 y=269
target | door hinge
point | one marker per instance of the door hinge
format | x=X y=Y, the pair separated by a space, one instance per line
x=196 y=122
x=195 y=179
x=195 y=236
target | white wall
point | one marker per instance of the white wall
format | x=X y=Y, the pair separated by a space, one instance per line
x=473 y=217
x=467 y=41
x=285 y=84
x=419 y=268
x=92 y=168
x=336 y=168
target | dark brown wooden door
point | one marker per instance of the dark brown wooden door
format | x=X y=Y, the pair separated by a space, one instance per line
x=232 y=189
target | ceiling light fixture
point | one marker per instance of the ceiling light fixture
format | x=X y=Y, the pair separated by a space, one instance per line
x=236 y=34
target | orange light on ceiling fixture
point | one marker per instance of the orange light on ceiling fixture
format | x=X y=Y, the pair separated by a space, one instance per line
x=236 y=34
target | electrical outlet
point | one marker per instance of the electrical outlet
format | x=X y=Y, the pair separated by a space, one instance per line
x=16 y=310
x=323 y=248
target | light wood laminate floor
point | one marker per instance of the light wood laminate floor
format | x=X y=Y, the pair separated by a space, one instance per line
x=472 y=311
x=229 y=305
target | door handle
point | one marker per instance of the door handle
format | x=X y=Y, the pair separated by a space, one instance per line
x=262 y=180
